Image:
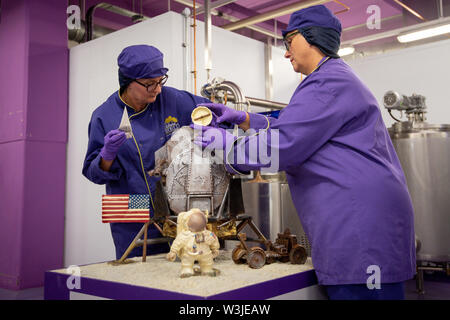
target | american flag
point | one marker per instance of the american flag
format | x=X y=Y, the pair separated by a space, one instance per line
x=125 y=208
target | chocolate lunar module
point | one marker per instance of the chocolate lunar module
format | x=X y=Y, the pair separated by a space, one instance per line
x=192 y=178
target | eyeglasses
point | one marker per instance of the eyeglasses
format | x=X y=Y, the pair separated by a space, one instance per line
x=287 y=41
x=153 y=85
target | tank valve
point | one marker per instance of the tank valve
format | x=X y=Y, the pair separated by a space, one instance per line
x=414 y=106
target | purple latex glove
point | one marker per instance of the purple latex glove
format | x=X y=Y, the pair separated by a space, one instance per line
x=225 y=114
x=113 y=140
x=213 y=138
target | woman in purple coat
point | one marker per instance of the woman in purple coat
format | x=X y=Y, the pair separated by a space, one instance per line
x=344 y=175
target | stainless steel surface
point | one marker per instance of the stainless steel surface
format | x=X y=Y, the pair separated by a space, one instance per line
x=266 y=103
x=262 y=201
x=208 y=39
x=272 y=210
x=424 y=152
x=187 y=26
x=261 y=103
x=272 y=14
x=268 y=69
x=217 y=88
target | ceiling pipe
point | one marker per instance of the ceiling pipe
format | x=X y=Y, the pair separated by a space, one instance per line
x=346 y=8
x=201 y=10
x=410 y=10
x=78 y=35
x=234 y=19
x=135 y=17
x=272 y=14
x=214 y=5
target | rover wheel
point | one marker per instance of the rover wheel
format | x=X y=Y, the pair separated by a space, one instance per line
x=237 y=255
x=256 y=258
x=298 y=255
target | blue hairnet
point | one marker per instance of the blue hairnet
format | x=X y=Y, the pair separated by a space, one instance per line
x=319 y=26
x=326 y=39
x=123 y=80
x=140 y=62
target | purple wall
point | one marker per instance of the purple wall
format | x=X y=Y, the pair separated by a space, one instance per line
x=33 y=137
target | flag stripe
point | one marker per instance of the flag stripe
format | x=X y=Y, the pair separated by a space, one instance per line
x=125 y=208
x=122 y=220
x=131 y=211
x=125 y=215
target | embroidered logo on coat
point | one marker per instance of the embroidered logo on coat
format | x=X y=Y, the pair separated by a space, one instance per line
x=170 y=125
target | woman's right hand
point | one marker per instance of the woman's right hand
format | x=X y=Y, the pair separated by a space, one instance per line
x=113 y=141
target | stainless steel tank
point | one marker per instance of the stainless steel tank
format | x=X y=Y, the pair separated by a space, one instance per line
x=424 y=152
x=271 y=207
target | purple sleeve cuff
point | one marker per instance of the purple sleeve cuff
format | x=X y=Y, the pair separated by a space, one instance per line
x=100 y=176
x=258 y=121
x=233 y=167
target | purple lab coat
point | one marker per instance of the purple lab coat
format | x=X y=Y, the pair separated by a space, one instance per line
x=345 y=178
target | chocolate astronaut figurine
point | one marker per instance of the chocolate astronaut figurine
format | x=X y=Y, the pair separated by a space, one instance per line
x=194 y=243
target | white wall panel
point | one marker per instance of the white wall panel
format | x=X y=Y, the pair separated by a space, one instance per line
x=421 y=69
x=234 y=57
x=285 y=79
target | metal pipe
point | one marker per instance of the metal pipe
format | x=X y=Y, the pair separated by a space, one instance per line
x=215 y=4
x=234 y=19
x=268 y=69
x=186 y=14
x=413 y=12
x=346 y=8
x=261 y=103
x=208 y=29
x=440 y=9
x=194 y=25
x=236 y=96
x=218 y=84
x=112 y=8
x=79 y=35
x=239 y=100
x=254 y=28
x=272 y=14
x=266 y=103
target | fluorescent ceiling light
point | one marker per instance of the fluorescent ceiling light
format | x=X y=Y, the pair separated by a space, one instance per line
x=423 y=34
x=346 y=51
